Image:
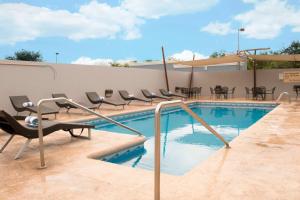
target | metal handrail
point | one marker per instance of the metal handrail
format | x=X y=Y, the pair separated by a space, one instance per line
x=157 y=138
x=40 y=125
x=281 y=95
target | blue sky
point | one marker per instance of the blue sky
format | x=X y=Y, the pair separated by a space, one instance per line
x=136 y=29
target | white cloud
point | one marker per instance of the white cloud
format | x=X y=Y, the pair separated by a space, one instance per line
x=268 y=18
x=99 y=61
x=158 y=8
x=265 y=20
x=89 y=61
x=187 y=55
x=22 y=22
x=218 y=28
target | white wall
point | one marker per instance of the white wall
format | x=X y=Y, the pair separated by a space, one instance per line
x=242 y=79
x=74 y=80
x=171 y=67
x=38 y=82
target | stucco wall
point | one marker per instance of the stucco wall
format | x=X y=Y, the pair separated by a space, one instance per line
x=170 y=67
x=242 y=79
x=75 y=80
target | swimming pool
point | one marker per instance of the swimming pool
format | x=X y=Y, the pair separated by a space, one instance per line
x=184 y=142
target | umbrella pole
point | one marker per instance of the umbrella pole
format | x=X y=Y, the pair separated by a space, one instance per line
x=254 y=78
x=191 y=79
x=165 y=67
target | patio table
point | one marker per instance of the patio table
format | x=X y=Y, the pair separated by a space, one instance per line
x=259 y=92
x=221 y=91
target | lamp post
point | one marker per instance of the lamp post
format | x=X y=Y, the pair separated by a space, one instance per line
x=56 y=55
x=238 y=47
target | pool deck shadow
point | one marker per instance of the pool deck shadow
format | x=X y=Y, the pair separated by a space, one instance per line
x=262 y=163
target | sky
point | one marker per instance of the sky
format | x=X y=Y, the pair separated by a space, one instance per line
x=102 y=31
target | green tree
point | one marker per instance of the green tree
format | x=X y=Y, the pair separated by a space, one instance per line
x=26 y=56
x=217 y=54
x=294 y=48
x=116 y=64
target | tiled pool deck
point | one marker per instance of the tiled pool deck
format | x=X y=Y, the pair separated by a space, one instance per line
x=263 y=163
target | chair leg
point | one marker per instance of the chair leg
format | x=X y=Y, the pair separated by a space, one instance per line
x=20 y=152
x=6 y=143
x=71 y=131
x=89 y=133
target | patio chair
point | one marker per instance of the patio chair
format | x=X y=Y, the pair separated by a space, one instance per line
x=271 y=92
x=212 y=92
x=248 y=92
x=69 y=106
x=196 y=91
x=129 y=98
x=18 y=102
x=108 y=93
x=231 y=92
x=11 y=126
x=151 y=96
x=225 y=92
x=94 y=98
x=218 y=91
x=296 y=88
x=259 y=92
x=185 y=91
x=178 y=89
x=170 y=94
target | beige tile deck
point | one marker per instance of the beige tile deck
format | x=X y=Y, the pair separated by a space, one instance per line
x=263 y=163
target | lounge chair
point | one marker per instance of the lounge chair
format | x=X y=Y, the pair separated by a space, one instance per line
x=10 y=125
x=170 y=94
x=94 y=98
x=18 y=101
x=68 y=106
x=127 y=97
x=152 y=96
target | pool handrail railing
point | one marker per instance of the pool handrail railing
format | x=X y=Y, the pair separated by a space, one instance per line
x=158 y=109
x=281 y=95
x=70 y=101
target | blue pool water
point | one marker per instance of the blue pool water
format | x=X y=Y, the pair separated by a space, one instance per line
x=184 y=142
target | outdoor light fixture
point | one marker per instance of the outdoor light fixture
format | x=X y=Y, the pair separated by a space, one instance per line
x=239 y=30
x=56 y=55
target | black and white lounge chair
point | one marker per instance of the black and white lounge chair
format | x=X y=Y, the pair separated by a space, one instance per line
x=19 y=104
x=151 y=95
x=170 y=94
x=10 y=125
x=94 y=98
x=69 y=106
x=129 y=98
